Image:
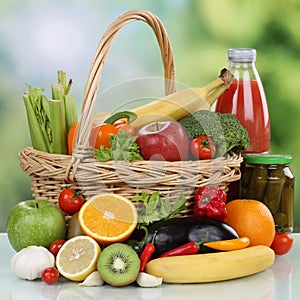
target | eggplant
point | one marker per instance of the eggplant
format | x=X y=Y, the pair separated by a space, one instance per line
x=178 y=231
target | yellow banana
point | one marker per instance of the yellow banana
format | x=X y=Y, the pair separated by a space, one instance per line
x=181 y=104
x=212 y=267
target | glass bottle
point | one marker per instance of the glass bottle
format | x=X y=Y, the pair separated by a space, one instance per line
x=246 y=99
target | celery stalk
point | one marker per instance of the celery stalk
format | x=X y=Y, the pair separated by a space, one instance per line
x=62 y=78
x=71 y=112
x=57 y=91
x=68 y=87
x=50 y=120
x=58 y=127
x=38 y=137
x=60 y=92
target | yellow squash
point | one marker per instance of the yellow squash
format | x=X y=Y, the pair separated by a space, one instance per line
x=212 y=267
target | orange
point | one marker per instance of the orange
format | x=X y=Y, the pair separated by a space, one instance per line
x=108 y=218
x=252 y=219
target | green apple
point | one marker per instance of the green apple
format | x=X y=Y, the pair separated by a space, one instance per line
x=35 y=222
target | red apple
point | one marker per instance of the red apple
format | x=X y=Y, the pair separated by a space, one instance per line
x=166 y=140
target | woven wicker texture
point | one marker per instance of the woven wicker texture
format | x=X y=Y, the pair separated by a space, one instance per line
x=50 y=173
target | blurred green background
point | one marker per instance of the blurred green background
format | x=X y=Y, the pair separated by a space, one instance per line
x=38 y=38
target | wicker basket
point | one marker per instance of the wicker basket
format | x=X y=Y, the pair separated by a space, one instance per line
x=50 y=173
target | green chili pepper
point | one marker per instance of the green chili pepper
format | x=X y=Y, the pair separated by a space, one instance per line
x=129 y=115
x=136 y=245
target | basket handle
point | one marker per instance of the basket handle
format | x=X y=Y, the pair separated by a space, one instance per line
x=99 y=60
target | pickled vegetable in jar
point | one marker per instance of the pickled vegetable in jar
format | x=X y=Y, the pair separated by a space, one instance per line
x=269 y=179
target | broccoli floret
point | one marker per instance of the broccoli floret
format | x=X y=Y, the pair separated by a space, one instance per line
x=225 y=130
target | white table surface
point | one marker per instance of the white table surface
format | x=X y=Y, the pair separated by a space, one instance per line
x=280 y=282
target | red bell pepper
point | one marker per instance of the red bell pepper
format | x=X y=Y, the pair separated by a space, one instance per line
x=210 y=202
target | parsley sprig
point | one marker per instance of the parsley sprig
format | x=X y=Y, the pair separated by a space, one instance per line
x=123 y=147
x=155 y=208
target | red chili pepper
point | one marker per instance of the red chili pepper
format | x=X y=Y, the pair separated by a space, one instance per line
x=147 y=253
x=210 y=202
x=186 y=249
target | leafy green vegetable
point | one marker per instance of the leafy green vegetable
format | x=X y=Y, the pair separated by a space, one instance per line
x=123 y=147
x=155 y=208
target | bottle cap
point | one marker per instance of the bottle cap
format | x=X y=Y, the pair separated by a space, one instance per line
x=242 y=54
x=268 y=159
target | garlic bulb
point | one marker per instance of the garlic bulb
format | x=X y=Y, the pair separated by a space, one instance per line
x=30 y=262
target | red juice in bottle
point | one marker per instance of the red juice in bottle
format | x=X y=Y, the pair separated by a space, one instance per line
x=246 y=99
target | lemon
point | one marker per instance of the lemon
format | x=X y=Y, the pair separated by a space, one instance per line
x=78 y=257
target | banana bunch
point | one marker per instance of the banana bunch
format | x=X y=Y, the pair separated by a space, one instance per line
x=212 y=267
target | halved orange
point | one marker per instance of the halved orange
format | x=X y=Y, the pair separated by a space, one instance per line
x=108 y=218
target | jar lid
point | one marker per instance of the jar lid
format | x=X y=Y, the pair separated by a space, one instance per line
x=242 y=54
x=268 y=159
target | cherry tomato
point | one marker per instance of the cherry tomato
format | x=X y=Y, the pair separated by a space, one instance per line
x=203 y=147
x=282 y=243
x=123 y=125
x=50 y=275
x=55 y=246
x=70 y=202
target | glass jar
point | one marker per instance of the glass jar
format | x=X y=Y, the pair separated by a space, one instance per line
x=246 y=99
x=269 y=179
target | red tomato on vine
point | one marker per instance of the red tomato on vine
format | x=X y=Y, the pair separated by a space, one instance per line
x=203 y=147
x=70 y=201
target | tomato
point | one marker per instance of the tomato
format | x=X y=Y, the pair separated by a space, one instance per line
x=203 y=147
x=101 y=133
x=123 y=125
x=70 y=202
x=282 y=243
x=55 y=246
x=50 y=275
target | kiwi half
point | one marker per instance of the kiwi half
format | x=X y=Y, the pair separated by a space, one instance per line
x=118 y=264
